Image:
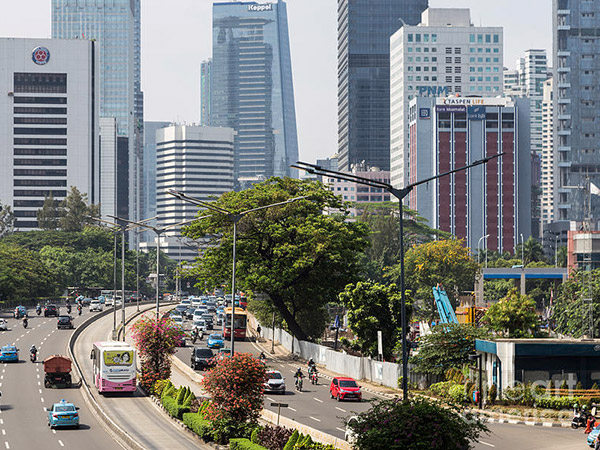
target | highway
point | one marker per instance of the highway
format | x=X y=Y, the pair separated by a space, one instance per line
x=23 y=420
x=523 y=437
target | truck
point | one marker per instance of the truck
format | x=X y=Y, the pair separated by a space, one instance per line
x=57 y=371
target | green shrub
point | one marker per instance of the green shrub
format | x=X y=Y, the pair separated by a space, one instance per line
x=550 y=386
x=454 y=374
x=227 y=428
x=254 y=436
x=442 y=388
x=556 y=402
x=595 y=386
x=173 y=408
x=181 y=392
x=492 y=394
x=160 y=385
x=292 y=440
x=244 y=444
x=579 y=386
x=304 y=444
x=199 y=425
x=274 y=438
x=456 y=393
x=564 y=385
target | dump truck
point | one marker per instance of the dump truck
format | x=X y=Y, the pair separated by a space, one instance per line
x=57 y=370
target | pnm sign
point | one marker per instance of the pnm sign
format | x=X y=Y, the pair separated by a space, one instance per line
x=433 y=91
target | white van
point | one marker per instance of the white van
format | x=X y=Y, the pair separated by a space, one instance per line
x=95 y=305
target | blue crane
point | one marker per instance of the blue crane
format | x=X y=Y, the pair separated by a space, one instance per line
x=444 y=307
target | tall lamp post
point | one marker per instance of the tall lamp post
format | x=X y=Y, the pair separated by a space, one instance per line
x=399 y=194
x=234 y=217
x=478 y=247
x=158 y=231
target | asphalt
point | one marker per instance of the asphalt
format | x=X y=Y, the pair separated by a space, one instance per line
x=23 y=420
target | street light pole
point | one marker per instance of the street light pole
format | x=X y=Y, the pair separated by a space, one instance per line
x=399 y=194
x=522 y=251
x=234 y=218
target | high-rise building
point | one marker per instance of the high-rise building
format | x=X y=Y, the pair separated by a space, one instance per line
x=443 y=55
x=547 y=184
x=364 y=30
x=576 y=102
x=48 y=123
x=512 y=87
x=534 y=73
x=205 y=70
x=251 y=88
x=493 y=199
x=195 y=160
x=115 y=26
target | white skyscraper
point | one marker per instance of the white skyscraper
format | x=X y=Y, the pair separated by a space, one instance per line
x=547 y=199
x=48 y=123
x=442 y=56
x=512 y=87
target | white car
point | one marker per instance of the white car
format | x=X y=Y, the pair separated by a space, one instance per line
x=177 y=319
x=275 y=382
x=108 y=300
x=95 y=305
x=196 y=302
x=200 y=325
x=3 y=325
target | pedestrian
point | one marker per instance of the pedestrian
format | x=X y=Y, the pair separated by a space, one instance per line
x=258 y=329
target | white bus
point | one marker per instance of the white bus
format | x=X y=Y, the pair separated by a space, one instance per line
x=114 y=366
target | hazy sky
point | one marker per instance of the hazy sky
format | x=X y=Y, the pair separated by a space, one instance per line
x=176 y=37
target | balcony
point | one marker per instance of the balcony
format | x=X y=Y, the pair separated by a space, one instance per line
x=563 y=27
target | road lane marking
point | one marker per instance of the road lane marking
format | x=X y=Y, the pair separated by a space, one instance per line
x=6 y=444
x=23 y=335
x=54 y=431
x=42 y=399
x=271 y=399
x=1 y=421
x=341 y=429
x=38 y=375
x=314 y=418
x=3 y=432
x=39 y=383
x=340 y=409
x=291 y=409
x=318 y=399
x=485 y=443
x=39 y=389
x=61 y=443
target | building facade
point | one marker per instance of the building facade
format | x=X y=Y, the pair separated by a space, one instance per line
x=493 y=199
x=48 y=123
x=115 y=27
x=547 y=181
x=512 y=87
x=193 y=159
x=443 y=55
x=364 y=29
x=205 y=71
x=251 y=88
x=576 y=102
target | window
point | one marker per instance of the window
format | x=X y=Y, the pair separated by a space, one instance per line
x=496 y=39
x=457 y=50
x=448 y=50
x=40 y=82
x=39 y=141
x=426 y=69
x=40 y=162
x=495 y=59
x=41 y=151
x=457 y=60
x=457 y=80
x=434 y=78
x=434 y=38
x=46 y=131
x=480 y=59
x=488 y=39
x=496 y=50
x=37 y=110
x=434 y=59
x=480 y=38
x=448 y=59
x=472 y=38
x=472 y=59
x=418 y=68
x=457 y=69
x=472 y=79
x=471 y=69
x=487 y=60
x=410 y=37
x=43 y=100
x=417 y=38
x=40 y=173
x=425 y=38
x=449 y=79
x=448 y=69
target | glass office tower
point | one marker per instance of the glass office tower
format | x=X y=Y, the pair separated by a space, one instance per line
x=576 y=26
x=364 y=30
x=251 y=88
x=115 y=25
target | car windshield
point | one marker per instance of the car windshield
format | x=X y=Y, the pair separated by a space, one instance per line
x=348 y=383
x=8 y=349
x=207 y=317
x=274 y=376
x=215 y=336
x=65 y=408
x=199 y=323
x=204 y=352
x=64 y=318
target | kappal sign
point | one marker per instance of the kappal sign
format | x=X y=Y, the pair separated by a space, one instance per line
x=40 y=55
x=266 y=7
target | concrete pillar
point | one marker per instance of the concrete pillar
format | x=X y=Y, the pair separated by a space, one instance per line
x=523 y=282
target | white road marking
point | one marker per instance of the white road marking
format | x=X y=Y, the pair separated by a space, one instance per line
x=42 y=399
x=3 y=432
x=1 y=421
x=39 y=383
x=314 y=418
x=54 y=431
x=485 y=443
x=340 y=429
x=318 y=399
x=340 y=409
x=270 y=399
x=14 y=344
x=61 y=444
x=38 y=375
x=1 y=377
x=23 y=335
x=6 y=444
x=293 y=366
x=291 y=409
x=39 y=389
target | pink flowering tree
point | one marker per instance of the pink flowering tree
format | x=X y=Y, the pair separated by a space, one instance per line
x=236 y=387
x=156 y=342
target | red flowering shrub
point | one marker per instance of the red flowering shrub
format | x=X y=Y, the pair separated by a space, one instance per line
x=155 y=342
x=236 y=387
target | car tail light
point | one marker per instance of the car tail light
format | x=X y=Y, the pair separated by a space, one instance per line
x=55 y=415
x=76 y=415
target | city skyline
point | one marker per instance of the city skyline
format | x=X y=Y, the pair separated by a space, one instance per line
x=176 y=39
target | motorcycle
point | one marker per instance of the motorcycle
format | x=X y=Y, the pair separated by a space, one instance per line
x=299 y=384
x=580 y=418
x=314 y=377
x=38 y=310
x=33 y=356
x=24 y=323
x=194 y=336
x=68 y=309
x=79 y=310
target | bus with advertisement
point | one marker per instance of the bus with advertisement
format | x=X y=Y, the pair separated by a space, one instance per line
x=239 y=323
x=114 y=366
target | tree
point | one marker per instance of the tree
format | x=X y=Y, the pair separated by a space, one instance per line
x=513 y=316
x=416 y=424
x=235 y=386
x=446 y=262
x=7 y=220
x=532 y=251
x=76 y=212
x=447 y=346
x=22 y=274
x=373 y=307
x=296 y=255
x=156 y=341
x=571 y=310
x=48 y=215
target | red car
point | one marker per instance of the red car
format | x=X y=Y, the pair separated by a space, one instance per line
x=344 y=388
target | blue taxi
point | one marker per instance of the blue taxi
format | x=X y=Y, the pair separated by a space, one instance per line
x=9 y=353
x=591 y=438
x=63 y=414
x=215 y=341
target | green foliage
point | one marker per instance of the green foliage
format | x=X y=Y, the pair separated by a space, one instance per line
x=226 y=428
x=513 y=316
x=492 y=394
x=7 y=220
x=456 y=393
x=442 y=388
x=594 y=386
x=571 y=312
x=292 y=441
x=173 y=408
x=371 y=308
x=415 y=424
x=49 y=215
x=199 y=425
x=160 y=385
x=564 y=385
x=75 y=212
x=254 y=436
x=455 y=374
x=447 y=346
x=22 y=274
x=494 y=290
x=579 y=386
x=244 y=444
x=533 y=251
x=274 y=438
x=296 y=255
x=446 y=262
x=553 y=402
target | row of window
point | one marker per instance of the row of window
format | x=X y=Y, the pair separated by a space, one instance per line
x=40 y=120
x=58 y=183
x=55 y=83
x=41 y=151
x=471 y=50
x=38 y=193
x=480 y=38
x=40 y=172
x=422 y=37
x=42 y=100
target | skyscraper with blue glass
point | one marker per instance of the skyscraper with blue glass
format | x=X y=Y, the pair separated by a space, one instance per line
x=251 y=88
x=115 y=26
x=364 y=30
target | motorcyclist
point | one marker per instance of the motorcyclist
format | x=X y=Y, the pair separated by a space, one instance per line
x=25 y=322
x=33 y=350
x=262 y=356
x=194 y=335
x=311 y=365
x=68 y=307
x=298 y=376
x=38 y=309
x=79 y=309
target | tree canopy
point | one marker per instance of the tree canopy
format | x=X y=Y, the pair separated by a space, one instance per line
x=513 y=316
x=48 y=215
x=571 y=307
x=7 y=220
x=75 y=212
x=296 y=255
